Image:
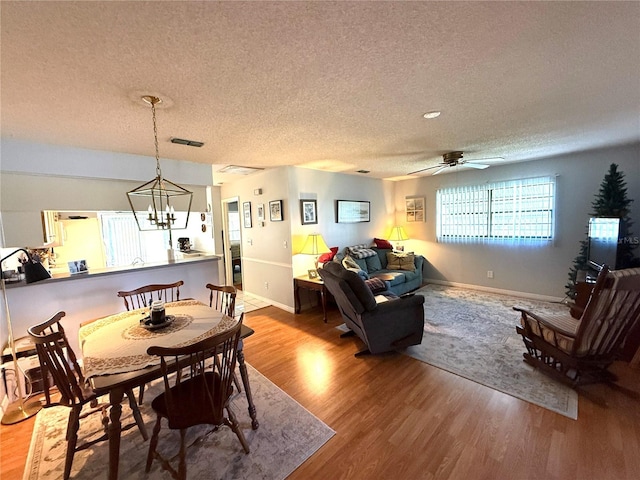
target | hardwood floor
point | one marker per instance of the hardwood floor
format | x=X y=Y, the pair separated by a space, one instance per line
x=396 y=417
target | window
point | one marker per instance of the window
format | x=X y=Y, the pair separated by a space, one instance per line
x=124 y=243
x=511 y=210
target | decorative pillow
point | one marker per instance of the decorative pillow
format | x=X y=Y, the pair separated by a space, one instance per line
x=373 y=264
x=376 y=285
x=380 y=243
x=401 y=261
x=360 y=251
x=327 y=257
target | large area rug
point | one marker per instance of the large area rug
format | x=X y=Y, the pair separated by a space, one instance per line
x=473 y=334
x=287 y=436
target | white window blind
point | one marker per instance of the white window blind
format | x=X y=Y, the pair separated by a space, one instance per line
x=511 y=210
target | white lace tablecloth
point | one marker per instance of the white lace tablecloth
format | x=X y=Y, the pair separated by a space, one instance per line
x=118 y=344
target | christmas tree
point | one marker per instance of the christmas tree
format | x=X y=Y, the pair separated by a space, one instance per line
x=611 y=201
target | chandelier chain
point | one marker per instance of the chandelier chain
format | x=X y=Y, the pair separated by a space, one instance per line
x=155 y=138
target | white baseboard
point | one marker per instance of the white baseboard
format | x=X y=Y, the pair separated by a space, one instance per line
x=513 y=293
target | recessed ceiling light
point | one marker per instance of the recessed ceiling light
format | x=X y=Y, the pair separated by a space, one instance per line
x=434 y=114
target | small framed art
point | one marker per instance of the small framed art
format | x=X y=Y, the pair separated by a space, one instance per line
x=308 y=212
x=246 y=214
x=260 y=212
x=415 y=209
x=275 y=210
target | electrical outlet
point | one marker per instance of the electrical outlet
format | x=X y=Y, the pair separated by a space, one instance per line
x=266 y=285
x=285 y=244
x=489 y=273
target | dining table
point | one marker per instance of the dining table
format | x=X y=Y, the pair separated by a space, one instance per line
x=115 y=359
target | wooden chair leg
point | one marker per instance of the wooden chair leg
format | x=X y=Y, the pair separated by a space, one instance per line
x=136 y=414
x=141 y=394
x=153 y=444
x=72 y=439
x=182 y=467
x=233 y=424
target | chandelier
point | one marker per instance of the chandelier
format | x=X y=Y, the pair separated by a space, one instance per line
x=154 y=204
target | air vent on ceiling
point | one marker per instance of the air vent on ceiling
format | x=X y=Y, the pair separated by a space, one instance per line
x=190 y=143
x=238 y=170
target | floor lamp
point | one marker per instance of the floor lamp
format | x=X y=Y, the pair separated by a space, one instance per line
x=20 y=409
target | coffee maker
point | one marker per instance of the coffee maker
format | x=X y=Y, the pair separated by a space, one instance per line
x=185 y=244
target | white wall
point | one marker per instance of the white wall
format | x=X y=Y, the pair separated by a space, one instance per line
x=539 y=270
x=269 y=253
x=36 y=177
x=266 y=251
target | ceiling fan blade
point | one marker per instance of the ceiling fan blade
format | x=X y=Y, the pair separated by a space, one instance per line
x=423 y=170
x=489 y=159
x=479 y=166
x=442 y=169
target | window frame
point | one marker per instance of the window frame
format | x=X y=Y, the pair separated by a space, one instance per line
x=524 y=211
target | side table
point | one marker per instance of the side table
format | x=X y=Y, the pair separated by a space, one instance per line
x=311 y=284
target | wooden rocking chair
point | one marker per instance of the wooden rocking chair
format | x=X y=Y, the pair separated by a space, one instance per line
x=579 y=351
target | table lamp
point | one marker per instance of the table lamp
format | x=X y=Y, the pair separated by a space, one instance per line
x=398 y=235
x=315 y=245
x=20 y=410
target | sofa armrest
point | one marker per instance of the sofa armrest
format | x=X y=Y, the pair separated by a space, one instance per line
x=419 y=262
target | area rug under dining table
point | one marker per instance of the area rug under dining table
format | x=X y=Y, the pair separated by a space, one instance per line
x=472 y=333
x=287 y=436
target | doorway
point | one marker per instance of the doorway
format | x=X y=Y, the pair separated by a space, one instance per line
x=232 y=242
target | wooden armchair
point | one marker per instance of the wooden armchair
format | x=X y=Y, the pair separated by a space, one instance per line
x=58 y=360
x=579 y=351
x=143 y=296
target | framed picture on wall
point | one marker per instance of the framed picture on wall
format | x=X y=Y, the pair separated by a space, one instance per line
x=308 y=212
x=260 y=212
x=349 y=211
x=415 y=207
x=246 y=214
x=275 y=210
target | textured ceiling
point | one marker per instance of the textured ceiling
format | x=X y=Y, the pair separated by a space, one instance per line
x=340 y=86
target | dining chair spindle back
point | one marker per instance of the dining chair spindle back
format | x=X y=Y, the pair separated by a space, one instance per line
x=223 y=298
x=142 y=297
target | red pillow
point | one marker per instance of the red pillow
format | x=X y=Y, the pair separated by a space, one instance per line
x=327 y=257
x=380 y=243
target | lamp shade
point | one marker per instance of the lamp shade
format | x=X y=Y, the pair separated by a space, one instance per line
x=314 y=245
x=398 y=234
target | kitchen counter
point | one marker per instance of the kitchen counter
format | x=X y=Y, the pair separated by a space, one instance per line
x=93 y=272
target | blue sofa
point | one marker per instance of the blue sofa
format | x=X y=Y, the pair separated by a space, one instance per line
x=402 y=281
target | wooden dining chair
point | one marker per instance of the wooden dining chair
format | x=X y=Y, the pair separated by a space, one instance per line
x=58 y=360
x=223 y=298
x=143 y=296
x=201 y=396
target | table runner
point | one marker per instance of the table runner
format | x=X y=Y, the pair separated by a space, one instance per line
x=118 y=344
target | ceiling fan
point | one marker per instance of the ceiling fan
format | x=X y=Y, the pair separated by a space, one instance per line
x=454 y=159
